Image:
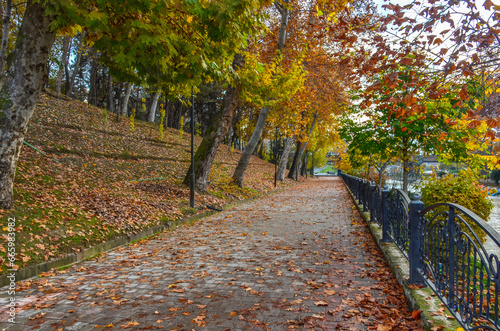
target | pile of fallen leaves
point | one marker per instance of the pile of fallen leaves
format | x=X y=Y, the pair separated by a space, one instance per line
x=91 y=179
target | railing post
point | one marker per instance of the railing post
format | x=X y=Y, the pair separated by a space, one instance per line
x=416 y=241
x=385 y=218
x=356 y=188
x=372 y=207
x=365 y=195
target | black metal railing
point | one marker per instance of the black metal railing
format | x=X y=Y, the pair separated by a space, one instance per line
x=444 y=246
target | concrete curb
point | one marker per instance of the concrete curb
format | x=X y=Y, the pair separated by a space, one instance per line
x=90 y=252
x=434 y=313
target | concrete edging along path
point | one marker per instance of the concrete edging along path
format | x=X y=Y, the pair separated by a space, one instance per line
x=300 y=259
x=90 y=252
x=434 y=313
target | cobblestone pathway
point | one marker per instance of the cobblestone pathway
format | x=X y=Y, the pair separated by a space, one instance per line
x=300 y=259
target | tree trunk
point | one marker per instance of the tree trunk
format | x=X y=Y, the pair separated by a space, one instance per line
x=284 y=159
x=63 y=65
x=296 y=159
x=20 y=92
x=93 y=83
x=312 y=164
x=119 y=99
x=165 y=119
x=260 y=149
x=70 y=80
x=125 y=100
x=303 y=169
x=300 y=151
x=406 y=165
x=239 y=172
x=212 y=139
x=154 y=104
x=5 y=39
x=111 y=94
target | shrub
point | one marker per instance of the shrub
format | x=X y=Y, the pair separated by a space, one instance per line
x=462 y=189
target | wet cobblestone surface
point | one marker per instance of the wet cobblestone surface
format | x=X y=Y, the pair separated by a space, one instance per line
x=301 y=259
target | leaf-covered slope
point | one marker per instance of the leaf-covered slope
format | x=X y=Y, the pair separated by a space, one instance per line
x=99 y=180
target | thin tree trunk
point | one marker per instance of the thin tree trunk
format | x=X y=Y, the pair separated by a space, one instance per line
x=215 y=133
x=300 y=151
x=296 y=159
x=239 y=172
x=71 y=81
x=125 y=100
x=20 y=92
x=284 y=159
x=165 y=120
x=179 y=116
x=260 y=149
x=93 y=83
x=111 y=94
x=119 y=99
x=154 y=104
x=63 y=65
x=229 y=138
x=312 y=164
x=5 y=39
x=406 y=165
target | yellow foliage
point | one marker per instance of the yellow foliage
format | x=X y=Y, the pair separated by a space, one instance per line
x=162 y=118
x=143 y=105
x=478 y=142
x=132 y=121
x=266 y=84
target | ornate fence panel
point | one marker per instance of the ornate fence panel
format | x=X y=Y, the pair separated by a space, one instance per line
x=398 y=219
x=444 y=245
x=376 y=208
x=458 y=268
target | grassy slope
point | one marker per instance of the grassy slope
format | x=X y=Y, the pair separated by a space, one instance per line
x=95 y=193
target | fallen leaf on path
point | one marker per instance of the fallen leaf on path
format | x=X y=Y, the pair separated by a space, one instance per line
x=321 y=303
x=416 y=314
x=129 y=325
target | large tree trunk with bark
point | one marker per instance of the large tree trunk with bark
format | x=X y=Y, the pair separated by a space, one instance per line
x=154 y=104
x=284 y=159
x=124 y=109
x=5 y=39
x=20 y=92
x=215 y=134
x=241 y=168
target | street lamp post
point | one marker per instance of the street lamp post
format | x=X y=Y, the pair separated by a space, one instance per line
x=191 y=199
